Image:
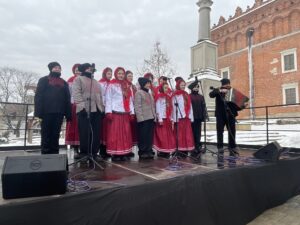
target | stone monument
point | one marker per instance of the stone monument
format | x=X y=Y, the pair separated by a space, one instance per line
x=204 y=55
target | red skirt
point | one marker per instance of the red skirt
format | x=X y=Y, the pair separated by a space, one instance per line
x=133 y=125
x=164 y=138
x=119 y=138
x=103 y=131
x=185 y=135
x=72 y=133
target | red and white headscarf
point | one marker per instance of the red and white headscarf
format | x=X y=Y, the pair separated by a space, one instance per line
x=186 y=97
x=104 y=77
x=125 y=88
x=71 y=79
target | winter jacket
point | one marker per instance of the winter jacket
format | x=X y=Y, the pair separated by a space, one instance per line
x=144 y=106
x=82 y=93
x=198 y=105
x=223 y=107
x=52 y=97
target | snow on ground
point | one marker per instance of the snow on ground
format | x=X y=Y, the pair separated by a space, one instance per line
x=287 y=135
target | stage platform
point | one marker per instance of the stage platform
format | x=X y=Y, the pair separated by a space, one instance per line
x=207 y=191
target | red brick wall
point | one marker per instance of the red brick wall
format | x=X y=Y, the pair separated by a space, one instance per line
x=277 y=28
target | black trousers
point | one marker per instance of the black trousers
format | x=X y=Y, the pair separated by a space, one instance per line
x=145 y=136
x=50 y=130
x=102 y=146
x=196 y=126
x=229 y=122
x=89 y=132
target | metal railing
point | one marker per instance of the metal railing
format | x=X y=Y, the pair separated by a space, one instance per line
x=20 y=130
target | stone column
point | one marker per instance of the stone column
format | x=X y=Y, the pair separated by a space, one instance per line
x=204 y=19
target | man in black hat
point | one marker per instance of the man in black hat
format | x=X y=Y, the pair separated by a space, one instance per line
x=199 y=112
x=87 y=96
x=52 y=103
x=225 y=115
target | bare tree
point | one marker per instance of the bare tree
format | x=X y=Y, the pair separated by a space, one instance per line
x=15 y=87
x=159 y=63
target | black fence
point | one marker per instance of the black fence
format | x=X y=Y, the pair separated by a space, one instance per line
x=20 y=130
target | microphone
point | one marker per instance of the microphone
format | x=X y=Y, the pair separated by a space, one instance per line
x=94 y=67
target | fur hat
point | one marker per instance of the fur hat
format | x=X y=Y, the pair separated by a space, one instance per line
x=225 y=81
x=52 y=65
x=83 y=67
x=143 y=81
x=193 y=85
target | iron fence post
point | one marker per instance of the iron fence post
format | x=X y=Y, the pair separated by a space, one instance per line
x=26 y=125
x=267 y=123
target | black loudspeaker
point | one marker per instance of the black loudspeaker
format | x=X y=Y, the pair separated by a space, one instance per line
x=270 y=152
x=32 y=176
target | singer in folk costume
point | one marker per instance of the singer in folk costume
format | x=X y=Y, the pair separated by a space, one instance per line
x=72 y=134
x=133 y=89
x=104 y=82
x=119 y=113
x=184 y=118
x=164 y=136
x=162 y=80
x=89 y=105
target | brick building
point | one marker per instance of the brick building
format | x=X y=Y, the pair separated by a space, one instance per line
x=259 y=50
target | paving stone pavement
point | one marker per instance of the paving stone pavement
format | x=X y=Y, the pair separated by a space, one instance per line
x=286 y=214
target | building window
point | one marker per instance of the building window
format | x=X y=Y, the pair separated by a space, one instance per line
x=290 y=94
x=225 y=73
x=289 y=60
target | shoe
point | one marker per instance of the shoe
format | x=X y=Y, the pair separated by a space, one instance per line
x=183 y=154
x=145 y=156
x=163 y=155
x=130 y=155
x=233 y=152
x=76 y=156
x=195 y=153
x=105 y=155
x=118 y=158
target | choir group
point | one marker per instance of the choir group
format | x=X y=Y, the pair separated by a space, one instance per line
x=119 y=115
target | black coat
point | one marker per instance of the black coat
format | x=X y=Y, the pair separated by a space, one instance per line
x=223 y=107
x=198 y=104
x=52 y=96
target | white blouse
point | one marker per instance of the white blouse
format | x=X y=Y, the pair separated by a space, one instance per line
x=181 y=111
x=103 y=87
x=161 y=109
x=114 y=99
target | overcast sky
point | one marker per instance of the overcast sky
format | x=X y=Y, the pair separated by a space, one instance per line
x=108 y=33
